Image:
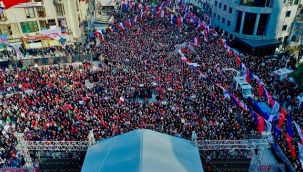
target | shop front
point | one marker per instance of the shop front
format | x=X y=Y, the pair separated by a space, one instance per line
x=39 y=41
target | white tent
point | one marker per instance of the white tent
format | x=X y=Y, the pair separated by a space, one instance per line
x=143 y=151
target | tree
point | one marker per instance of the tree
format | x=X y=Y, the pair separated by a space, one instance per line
x=298 y=75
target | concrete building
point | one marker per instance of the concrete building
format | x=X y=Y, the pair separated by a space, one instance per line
x=23 y=22
x=257 y=26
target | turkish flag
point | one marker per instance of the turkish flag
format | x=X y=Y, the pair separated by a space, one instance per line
x=260 y=89
x=260 y=124
x=221 y=42
x=10 y=3
x=281 y=117
x=179 y=22
x=291 y=147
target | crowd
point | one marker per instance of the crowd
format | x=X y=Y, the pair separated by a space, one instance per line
x=61 y=107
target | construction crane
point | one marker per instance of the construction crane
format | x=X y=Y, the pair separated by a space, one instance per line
x=25 y=146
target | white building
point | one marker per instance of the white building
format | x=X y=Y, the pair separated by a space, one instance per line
x=257 y=26
x=24 y=21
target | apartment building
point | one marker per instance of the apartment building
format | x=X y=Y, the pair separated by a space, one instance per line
x=257 y=27
x=23 y=22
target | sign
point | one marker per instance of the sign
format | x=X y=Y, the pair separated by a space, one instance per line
x=3 y=39
x=54 y=34
x=16 y=40
x=34 y=38
x=29 y=4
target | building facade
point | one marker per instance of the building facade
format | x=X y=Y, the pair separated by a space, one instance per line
x=23 y=22
x=258 y=26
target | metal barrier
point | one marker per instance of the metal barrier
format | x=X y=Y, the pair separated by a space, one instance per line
x=56 y=60
x=281 y=155
x=12 y=169
x=267 y=168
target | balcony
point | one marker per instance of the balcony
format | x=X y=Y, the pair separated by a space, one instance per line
x=255 y=3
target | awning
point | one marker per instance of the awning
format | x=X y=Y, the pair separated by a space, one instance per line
x=255 y=44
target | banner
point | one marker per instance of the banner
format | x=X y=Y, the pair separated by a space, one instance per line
x=29 y=4
x=55 y=34
x=17 y=47
x=3 y=39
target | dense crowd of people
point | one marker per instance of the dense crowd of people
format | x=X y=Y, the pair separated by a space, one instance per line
x=59 y=105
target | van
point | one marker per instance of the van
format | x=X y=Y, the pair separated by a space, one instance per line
x=240 y=84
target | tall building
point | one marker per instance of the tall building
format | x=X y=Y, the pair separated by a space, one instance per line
x=23 y=22
x=257 y=26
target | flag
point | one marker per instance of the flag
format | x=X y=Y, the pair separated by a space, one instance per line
x=299 y=131
x=196 y=41
x=201 y=26
x=254 y=114
x=17 y=47
x=289 y=126
x=277 y=133
x=159 y=13
x=10 y=3
x=268 y=124
x=98 y=35
x=238 y=60
x=291 y=147
x=276 y=107
x=121 y=100
x=281 y=117
x=221 y=42
x=260 y=124
x=128 y=23
x=248 y=75
x=179 y=21
x=300 y=146
x=266 y=94
x=260 y=89
x=162 y=13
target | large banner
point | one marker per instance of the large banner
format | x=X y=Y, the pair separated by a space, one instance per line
x=54 y=34
x=29 y=4
x=17 y=48
x=4 y=39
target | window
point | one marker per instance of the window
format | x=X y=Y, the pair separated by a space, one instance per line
x=230 y=10
x=41 y=11
x=228 y=23
x=31 y=26
x=216 y=3
x=218 y=17
x=223 y=20
x=3 y=16
x=13 y=29
x=220 y=4
x=296 y=2
x=59 y=9
x=288 y=13
x=29 y=12
x=52 y=23
x=214 y=15
x=284 y=27
x=295 y=38
x=4 y=29
x=43 y=25
x=224 y=7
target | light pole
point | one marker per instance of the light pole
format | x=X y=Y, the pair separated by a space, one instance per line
x=300 y=50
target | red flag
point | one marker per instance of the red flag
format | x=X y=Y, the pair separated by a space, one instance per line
x=281 y=117
x=221 y=42
x=238 y=60
x=127 y=23
x=10 y=3
x=291 y=147
x=260 y=124
x=159 y=13
x=260 y=89
x=179 y=21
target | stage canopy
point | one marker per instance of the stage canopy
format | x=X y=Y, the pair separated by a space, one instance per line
x=143 y=151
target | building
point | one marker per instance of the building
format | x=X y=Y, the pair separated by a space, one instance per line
x=257 y=27
x=23 y=22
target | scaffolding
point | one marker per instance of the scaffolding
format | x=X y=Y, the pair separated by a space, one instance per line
x=26 y=146
x=233 y=144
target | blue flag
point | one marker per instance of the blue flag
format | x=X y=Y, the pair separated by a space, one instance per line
x=277 y=133
x=289 y=126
